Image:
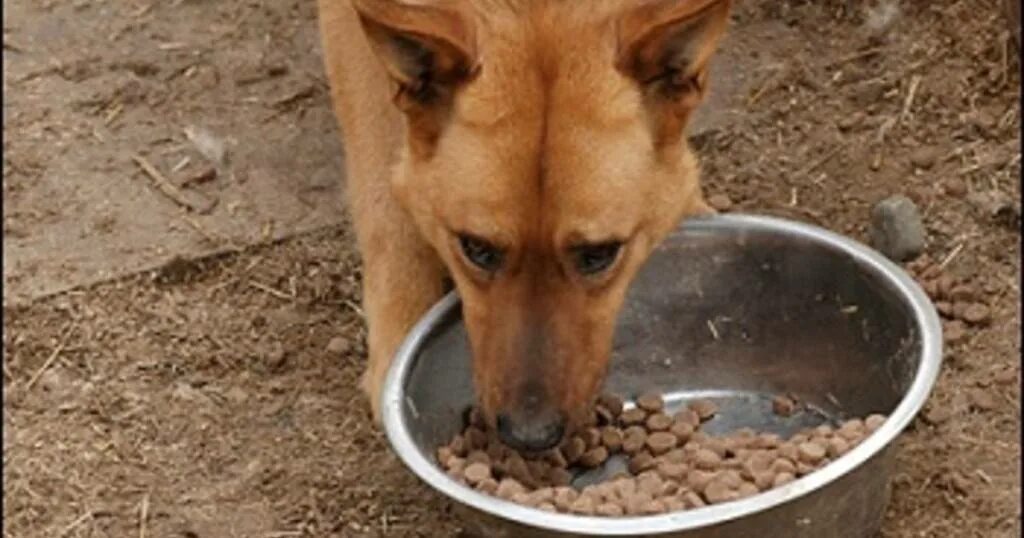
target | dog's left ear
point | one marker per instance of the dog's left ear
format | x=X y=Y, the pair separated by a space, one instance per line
x=664 y=46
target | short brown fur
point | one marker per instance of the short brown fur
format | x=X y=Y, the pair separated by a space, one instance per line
x=537 y=126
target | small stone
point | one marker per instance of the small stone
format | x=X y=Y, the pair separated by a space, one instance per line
x=338 y=346
x=937 y=414
x=783 y=406
x=981 y=400
x=720 y=202
x=650 y=402
x=658 y=422
x=925 y=157
x=976 y=314
x=896 y=228
x=705 y=409
x=955 y=187
x=660 y=442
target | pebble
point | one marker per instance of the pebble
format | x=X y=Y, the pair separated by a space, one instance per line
x=720 y=202
x=338 y=346
x=896 y=228
x=924 y=157
x=981 y=400
x=954 y=332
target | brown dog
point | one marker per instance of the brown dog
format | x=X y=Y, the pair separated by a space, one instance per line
x=533 y=151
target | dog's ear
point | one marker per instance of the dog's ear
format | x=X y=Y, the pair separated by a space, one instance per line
x=665 y=45
x=428 y=50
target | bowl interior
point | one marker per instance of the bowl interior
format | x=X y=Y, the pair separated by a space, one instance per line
x=733 y=310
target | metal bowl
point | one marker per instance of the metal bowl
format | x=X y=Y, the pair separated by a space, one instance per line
x=737 y=309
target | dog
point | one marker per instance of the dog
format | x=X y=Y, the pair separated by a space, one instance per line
x=531 y=151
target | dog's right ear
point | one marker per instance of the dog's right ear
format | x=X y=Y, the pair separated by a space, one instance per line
x=428 y=50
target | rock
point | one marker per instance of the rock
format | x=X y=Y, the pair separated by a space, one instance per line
x=720 y=202
x=924 y=157
x=981 y=400
x=338 y=346
x=896 y=228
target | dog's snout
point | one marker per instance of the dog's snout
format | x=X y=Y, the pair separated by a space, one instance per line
x=533 y=432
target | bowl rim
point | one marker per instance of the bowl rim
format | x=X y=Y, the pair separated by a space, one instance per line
x=929 y=327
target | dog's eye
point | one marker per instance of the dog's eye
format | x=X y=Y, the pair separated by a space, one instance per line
x=481 y=253
x=593 y=259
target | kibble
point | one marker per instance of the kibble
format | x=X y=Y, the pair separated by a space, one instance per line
x=671 y=465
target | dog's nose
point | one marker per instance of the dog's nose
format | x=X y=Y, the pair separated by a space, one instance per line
x=531 y=433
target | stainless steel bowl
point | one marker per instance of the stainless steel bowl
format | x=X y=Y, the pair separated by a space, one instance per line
x=736 y=309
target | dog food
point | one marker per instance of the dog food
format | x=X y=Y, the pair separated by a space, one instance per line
x=672 y=464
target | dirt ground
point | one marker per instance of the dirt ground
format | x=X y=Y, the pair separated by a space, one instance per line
x=218 y=397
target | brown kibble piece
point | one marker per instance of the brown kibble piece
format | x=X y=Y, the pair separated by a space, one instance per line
x=476 y=439
x=660 y=442
x=478 y=456
x=651 y=507
x=782 y=479
x=783 y=406
x=476 y=473
x=547 y=507
x=650 y=402
x=852 y=430
x=674 y=504
x=783 y=465
x=488 y=486
x=718 y=492
x=837 y=446
x=873 y=422
x=698 y=479
x=641 y=461
x=688 y=416
x=705 y=409
x=564 y=496
x=444 y=455
x=591 y=437
x=612 y=403
x=672 y=471
x=594 y=457
x=692 y=500
x=573 y=449
x=707 y=459
x=611 y=437
x=458 y=446
x=583 y=505
x=747 y=489
x=658 y=422
x=634 y=439
x=609 y=510
x=763 y=480
x=811 y=452
x=676 y=455
x=789 y=450
x=508 y=487
x=559 y=477
x=457 y=465
x=633 y=416
x=682 y=430
x=954 y=332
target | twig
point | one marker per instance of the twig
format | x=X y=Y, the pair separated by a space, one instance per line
x=49 y=360
x=272 y=291
x=915 y=81
x=74 y=524
x=713 y=329
x=950 y=256
x=193 y=201
x=143 y=515
x=821 y=160
x=855 y=56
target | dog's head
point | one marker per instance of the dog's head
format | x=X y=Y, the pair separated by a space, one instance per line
x=545 y=158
